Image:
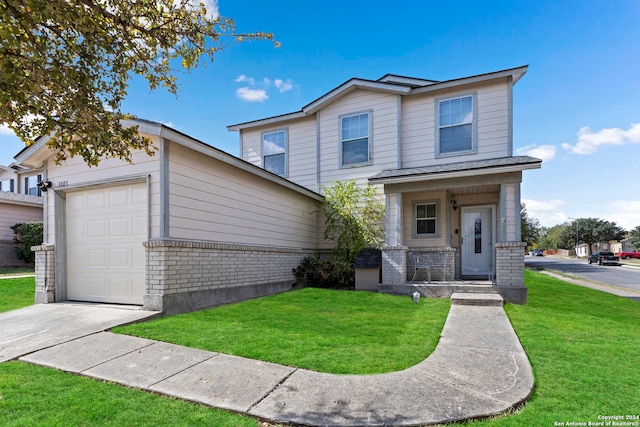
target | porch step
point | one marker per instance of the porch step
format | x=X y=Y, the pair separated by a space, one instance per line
x=459 y=298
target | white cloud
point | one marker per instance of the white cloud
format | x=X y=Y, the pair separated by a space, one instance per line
x=282 y=85
x=252 y=95
x=244 y=79
x=543 y=205
x=543 y=152
x=589 y=142
x=256 y=90
x=211 y=5
x=546 y=211
x=5 y=130
x=625 y=213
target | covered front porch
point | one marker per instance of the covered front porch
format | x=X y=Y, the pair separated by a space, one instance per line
x=455 y=228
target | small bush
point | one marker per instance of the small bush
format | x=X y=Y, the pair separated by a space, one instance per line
x=26 y=235
x=316 y=273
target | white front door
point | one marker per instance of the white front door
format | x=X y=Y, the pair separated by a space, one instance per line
x=477 y=254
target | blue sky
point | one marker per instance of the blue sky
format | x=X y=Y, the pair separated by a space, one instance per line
x=578 y=107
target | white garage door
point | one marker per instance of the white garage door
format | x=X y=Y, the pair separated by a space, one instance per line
x=105 y=231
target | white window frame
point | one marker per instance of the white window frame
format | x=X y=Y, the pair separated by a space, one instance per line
x=263 y=155
x=31 y=182
x=369 y=114
x=8 y=185
x=474 y=124
x=436 y=219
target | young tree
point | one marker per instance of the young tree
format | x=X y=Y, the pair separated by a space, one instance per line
x=354 y=220
x=550 y=237
x=65 y=65
x=634 y=237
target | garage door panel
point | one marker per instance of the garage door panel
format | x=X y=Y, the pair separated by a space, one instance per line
x=106 y=229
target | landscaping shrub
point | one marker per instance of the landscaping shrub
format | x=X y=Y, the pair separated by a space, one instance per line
x=26 y=235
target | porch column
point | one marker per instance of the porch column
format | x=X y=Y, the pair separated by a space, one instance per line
x=510 y=248
x=394 y=253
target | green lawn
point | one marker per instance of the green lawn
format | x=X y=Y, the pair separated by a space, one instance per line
x=35 y=396
x=16 y=293
x=318 y=329
x=15 y=271
x=584 y=347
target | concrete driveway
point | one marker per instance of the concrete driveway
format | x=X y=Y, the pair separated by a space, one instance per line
x=41 y=326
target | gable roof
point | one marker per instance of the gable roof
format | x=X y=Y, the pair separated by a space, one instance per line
x=37 y=153
x=389 y=83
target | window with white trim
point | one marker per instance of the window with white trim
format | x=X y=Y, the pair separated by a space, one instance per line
x=274 y=152
x=31 y=185
x=7 y=185
x=455 y=125
x=355 y=147
x=426 y=217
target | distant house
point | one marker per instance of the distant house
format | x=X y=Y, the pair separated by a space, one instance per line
x=441 y=154
x=19 y=203
x=193 y=226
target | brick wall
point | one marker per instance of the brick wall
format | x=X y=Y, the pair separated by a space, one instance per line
x=189 y=275
x=510 y=264
x=394 y=264
x=45 y=273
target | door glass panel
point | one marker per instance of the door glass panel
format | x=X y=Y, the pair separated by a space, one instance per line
x=478 y=235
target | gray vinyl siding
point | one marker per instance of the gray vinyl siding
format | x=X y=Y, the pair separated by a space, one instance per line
x=212 y=201
x=302 y=145
x=383 y=109
x=419 y=126
x=74 y=172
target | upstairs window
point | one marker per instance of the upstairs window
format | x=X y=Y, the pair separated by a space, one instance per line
x=274 y=152
x=426 y=215
x=7 y=185
x=456 y=126
x=31 y=185
x=355 y=146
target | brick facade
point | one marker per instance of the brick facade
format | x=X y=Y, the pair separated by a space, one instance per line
x=190 y=275
x=45 y=273
x=510 y=264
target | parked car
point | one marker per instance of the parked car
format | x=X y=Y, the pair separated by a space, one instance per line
x=628 y=255
x=604 y=258
x=537 y=252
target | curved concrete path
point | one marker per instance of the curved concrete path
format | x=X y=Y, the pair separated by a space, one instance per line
x=478 y=369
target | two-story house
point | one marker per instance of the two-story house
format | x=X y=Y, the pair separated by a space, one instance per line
x=192 y=226
x=20 y=202
x=441 y=152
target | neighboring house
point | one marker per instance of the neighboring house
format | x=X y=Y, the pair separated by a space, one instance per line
x=16 y=207
x=622 y=246
x=187 y=228
x=442 y=155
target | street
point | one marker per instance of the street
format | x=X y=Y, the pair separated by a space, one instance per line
x=618 y=276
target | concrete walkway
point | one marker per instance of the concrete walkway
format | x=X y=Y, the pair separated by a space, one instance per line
x=478 y=369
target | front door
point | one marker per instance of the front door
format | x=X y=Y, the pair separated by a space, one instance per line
x=477 y=254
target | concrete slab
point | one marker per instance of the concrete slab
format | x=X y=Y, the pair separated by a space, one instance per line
x=479 y=327
x=86 y=352
x=459 y=298
x=149 y=365
x=506 y=375
x=405 y=398
x=41 y=326
x=226 y=382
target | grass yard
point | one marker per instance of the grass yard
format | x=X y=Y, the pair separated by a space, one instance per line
x=35 y=396
x=318 y=329
x=584 y=347
x=16 y=293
